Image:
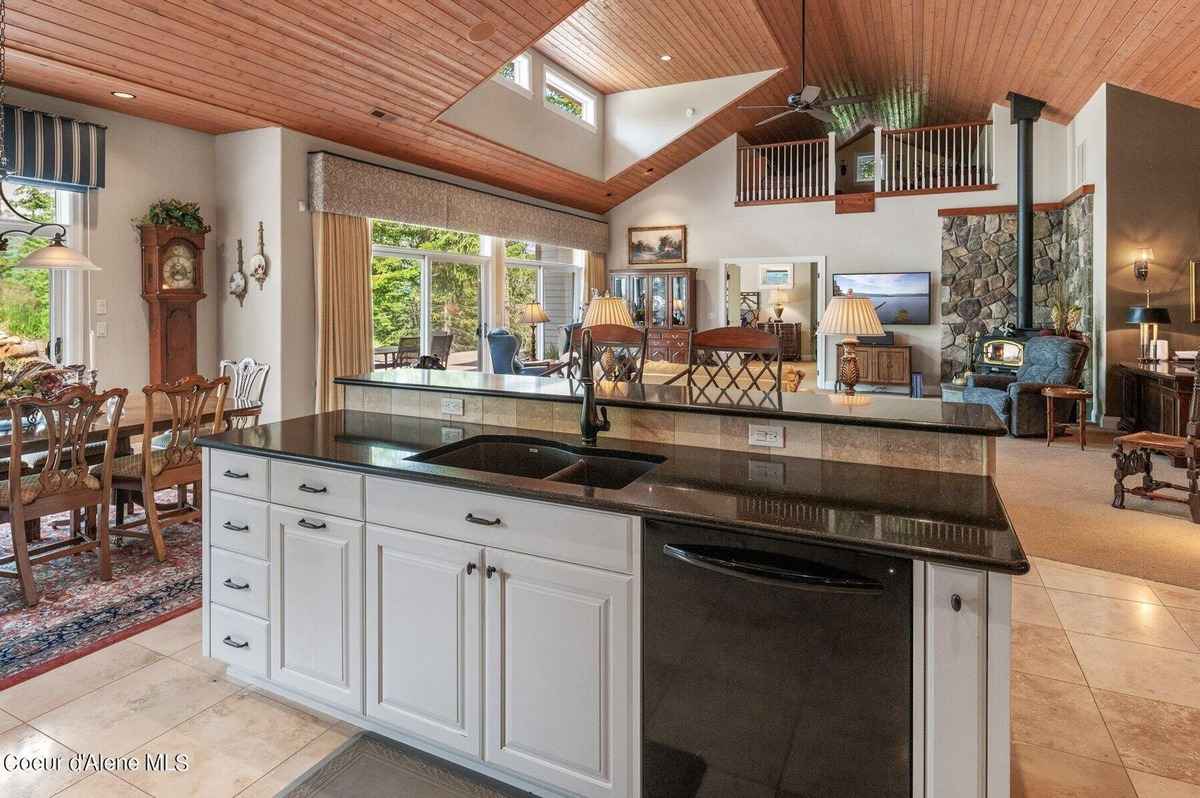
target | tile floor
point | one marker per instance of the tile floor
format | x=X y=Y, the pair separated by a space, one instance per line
x=1105 y=688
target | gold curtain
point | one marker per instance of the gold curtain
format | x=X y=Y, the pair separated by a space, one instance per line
x=595 y=276
x=342 y=265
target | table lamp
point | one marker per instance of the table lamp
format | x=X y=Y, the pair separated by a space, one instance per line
x=607 y=310
x=849 y=315
x=533 y=314
x=777 y=299
x=1148 y=318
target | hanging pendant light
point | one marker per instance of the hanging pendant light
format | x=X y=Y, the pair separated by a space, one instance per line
x=56 y=254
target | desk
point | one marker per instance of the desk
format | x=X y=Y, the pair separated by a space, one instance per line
x=1155 y=397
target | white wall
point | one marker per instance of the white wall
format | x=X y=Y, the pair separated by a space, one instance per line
x=146 y=161
x=903 y=234
x=525 y=124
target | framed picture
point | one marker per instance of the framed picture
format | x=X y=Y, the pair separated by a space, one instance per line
x=1194 y=281
x=775 y=276
x=650 y=246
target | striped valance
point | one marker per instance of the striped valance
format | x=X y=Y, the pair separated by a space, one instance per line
x=356 y=188
x=53 y=149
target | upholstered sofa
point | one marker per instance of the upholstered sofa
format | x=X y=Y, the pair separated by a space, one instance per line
x=1048 y=360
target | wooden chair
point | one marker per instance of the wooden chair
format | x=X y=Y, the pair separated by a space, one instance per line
x=618 y=352
x=1134 y=453
x=177 y=464
x=248 y=380
x=736 y=365
x=63 y=482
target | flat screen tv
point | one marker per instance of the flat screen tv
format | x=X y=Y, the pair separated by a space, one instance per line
x=899 y=297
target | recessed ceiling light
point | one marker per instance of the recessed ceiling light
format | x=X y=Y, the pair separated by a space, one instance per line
x=124 y=95
x=664 y=57
x=650 y=170
x=481 y=32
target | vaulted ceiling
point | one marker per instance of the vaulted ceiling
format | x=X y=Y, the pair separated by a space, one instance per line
x=321 y=66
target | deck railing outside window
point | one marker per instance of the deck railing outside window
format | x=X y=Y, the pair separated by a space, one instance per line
x=788 y=171
x=935 y=158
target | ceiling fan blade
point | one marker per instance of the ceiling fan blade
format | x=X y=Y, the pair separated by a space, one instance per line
x=753 y=107
x=858 y=98
x=809 y=94
x=819 y=113
x=777 y=116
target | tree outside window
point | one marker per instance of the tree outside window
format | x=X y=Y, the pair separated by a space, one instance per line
x=25 y=293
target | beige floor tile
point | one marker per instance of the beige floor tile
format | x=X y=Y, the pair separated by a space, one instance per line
x=328 y=720
x=8 y=721
x=1031 y=578
x=1044 y=651
x=54 y=688
x=1135 y=621
x=1044 y=773
x=292 y=767
x=1031 y=604
x=1153 y=736
x=1055 y=576
x=1069 y=566
x=192 y=656
x=135 y=709
x=1162 y=674
x=173 y=636
x=1189 y=620
x=1150 y=786
x=230 y=745
x=1059 y=715
x=1174 y=596
x=27 y=742
x=101 y=785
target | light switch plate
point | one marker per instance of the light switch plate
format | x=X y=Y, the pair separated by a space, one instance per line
x=766 y=435
x=452 y=434
x=452 y=407
x=101 y=307
x=101 y=329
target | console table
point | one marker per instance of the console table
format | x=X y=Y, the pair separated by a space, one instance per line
x=882 y=365
x=1155 y=397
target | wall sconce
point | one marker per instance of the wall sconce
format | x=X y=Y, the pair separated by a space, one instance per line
x=1141 y=264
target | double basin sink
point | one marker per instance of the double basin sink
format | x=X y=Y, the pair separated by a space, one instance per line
x=534 y=458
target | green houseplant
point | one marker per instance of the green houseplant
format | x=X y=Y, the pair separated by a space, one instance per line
x=174 y=213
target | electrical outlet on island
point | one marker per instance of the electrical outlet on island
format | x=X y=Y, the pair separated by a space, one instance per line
x=766 y=435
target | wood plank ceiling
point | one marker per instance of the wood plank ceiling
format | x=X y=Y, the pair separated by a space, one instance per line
x=320 y=66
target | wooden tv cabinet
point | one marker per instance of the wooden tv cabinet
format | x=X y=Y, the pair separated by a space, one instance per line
x=881 y=365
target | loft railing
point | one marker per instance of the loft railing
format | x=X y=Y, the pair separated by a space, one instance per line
x=786 y=172
x=934 y=158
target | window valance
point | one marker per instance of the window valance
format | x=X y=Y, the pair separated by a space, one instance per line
x=344 y=185
x=53 y=149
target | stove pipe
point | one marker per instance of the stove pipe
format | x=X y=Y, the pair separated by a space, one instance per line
x=1024 y=112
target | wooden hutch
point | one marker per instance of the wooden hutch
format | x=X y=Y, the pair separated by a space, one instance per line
x=664 y=301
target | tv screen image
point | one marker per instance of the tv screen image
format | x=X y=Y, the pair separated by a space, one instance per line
x=899 y=297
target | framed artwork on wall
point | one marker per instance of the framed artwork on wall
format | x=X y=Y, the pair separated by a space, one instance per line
x=1194 y=282
x=775 y=276
x=652 y=246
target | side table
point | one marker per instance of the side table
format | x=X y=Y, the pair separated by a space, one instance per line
x=1077 y=395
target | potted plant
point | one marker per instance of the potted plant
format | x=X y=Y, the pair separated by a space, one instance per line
x=174 y=213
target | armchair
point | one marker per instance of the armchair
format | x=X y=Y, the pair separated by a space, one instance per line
x=1048 y=360
x=503 y=346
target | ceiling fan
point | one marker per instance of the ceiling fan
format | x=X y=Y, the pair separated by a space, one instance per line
x=807 y=100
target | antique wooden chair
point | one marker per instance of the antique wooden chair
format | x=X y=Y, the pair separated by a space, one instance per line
x=619 y=354
x=248 y=380
x=1134 y=453
x=734 y=365
x=176 y=464
x=63 y=481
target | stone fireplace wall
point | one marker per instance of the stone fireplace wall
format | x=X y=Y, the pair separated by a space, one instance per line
x=979 y=273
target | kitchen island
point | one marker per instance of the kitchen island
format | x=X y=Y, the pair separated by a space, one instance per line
x=642 y=618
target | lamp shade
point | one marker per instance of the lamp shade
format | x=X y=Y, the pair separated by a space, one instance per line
x=533 y=313
x=847 y=314
x=607 y=310
x=57 y=255
x=1140 y=314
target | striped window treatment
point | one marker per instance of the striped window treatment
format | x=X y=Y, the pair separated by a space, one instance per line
x=53 y=149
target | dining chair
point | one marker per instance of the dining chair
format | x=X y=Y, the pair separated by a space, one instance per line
x=441 y=345
x=618 y=352
x=248 y=380
x=63 y=482
x=177 y=464
x=740 y=365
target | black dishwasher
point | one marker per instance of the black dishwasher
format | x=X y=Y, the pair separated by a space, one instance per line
x=771 y=667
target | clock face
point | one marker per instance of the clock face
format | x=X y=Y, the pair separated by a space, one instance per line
x=179 y=267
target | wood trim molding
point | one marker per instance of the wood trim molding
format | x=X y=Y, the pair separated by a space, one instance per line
x=747 y=203
x=940 y=190
x=985 y=210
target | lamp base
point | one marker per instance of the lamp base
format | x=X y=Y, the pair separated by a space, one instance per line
x=533 y=342
x=848 y=367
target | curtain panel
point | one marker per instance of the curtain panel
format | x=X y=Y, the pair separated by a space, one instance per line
x=342 y=262
x=53 y=149
x=355 y=188
x=595 y=277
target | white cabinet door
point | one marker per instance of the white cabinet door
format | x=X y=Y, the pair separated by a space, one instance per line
x=316 y=606
x=424 y=639
x=955 y=682
x=559 y=673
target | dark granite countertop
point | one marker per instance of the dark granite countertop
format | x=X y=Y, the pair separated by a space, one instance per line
x=865 y=409
x=951 y=518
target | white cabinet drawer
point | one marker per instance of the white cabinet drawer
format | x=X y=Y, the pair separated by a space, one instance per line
x=238 y=524
x=239 y=582
x=586 y=537
x=324 y=490
x=239 y=639
x=242 y=474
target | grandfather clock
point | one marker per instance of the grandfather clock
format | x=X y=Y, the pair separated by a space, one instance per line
x=172 y=284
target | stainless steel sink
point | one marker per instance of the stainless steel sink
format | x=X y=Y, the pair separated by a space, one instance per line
x=535 y=458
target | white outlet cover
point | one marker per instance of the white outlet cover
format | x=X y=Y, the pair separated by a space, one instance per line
x=452 y=407
x=101 y=329
x=766 y=435
x=452 y=434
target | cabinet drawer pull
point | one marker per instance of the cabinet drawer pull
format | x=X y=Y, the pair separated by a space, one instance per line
x=471 y=568
x=232 y=527
x=310 y=489
x=474 y=519
x=237 y=585
x=304 y=522
x=491 y=571
x=229 y=641
x=956 y=602
x=237 y=474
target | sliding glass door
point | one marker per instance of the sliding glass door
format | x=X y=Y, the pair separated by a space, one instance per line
x=456 y=308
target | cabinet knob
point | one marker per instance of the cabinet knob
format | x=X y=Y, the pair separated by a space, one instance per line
x=471 y=568
x=956 y=602
x=491 y=570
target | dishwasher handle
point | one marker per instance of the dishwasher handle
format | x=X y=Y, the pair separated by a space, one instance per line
x=769 y=568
